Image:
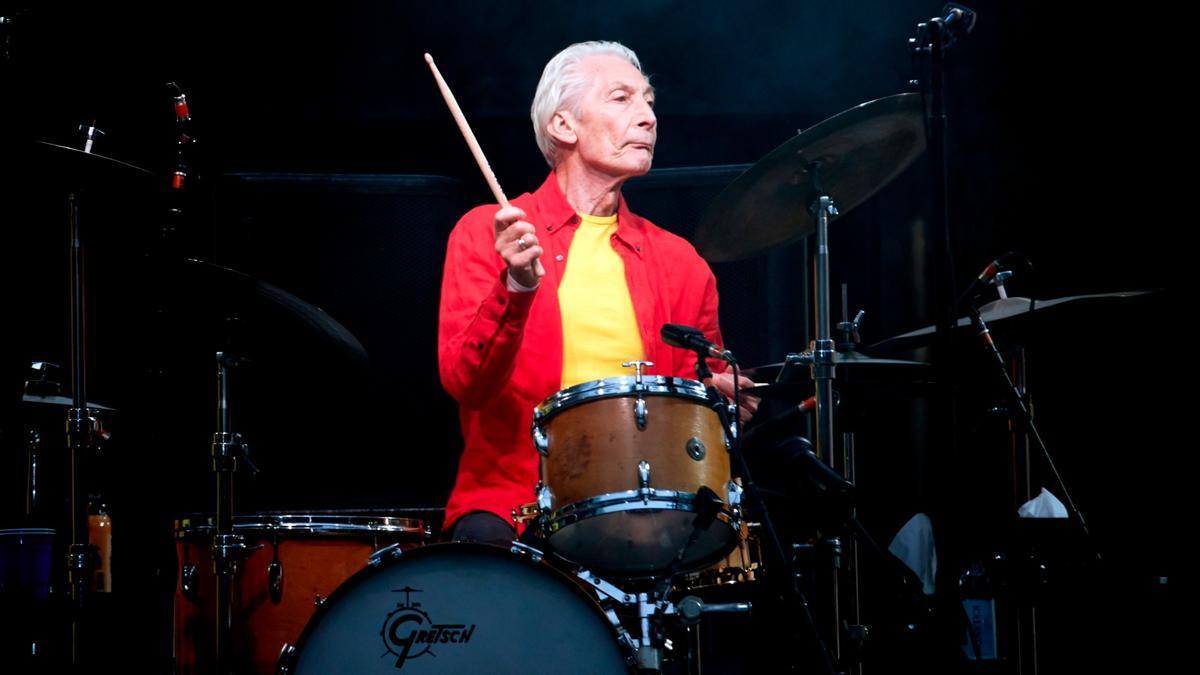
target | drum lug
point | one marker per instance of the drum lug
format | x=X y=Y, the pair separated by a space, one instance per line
x=644 y=478
x=545 y=498
x=275 y=580
x=639 y=407
x=287 y=655
x=540 y=441
x=275 y=574
x=639 y=412
x=187 y=581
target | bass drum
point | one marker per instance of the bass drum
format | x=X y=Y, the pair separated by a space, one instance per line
x=458 y=608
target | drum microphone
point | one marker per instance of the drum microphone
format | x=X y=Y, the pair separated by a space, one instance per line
x=690 y=338
x=959 y=19
x=791 y=414
x=183 y=138
x=957 y=22
x=796 y=453
x=985 y=277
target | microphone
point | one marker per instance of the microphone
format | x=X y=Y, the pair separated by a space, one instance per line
x=183 y=139
x=985 y=277
x=690 y=338
x=958 y=21
x=796 y=453
x=181 y=106
x=791 y=414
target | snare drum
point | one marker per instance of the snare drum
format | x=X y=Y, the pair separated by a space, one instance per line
x=622 y=460
x=743 y=564
x=293 y=563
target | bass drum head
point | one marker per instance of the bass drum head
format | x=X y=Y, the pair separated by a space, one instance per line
x=458 y=608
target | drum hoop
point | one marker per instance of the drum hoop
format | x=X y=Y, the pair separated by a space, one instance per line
x=306 y=524
x=615 y=387
x=629 y=500
x=23 y=531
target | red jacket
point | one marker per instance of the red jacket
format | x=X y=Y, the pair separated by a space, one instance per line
x=500 y=353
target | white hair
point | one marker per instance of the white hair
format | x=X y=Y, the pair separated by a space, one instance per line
x=563 y=84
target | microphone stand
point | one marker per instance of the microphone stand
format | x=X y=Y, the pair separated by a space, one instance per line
x=1024 y=420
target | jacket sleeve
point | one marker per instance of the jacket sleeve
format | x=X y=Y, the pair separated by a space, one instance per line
x=480 y=323
x=697 y=307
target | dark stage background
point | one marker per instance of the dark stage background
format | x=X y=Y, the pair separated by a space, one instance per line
x=327 y=165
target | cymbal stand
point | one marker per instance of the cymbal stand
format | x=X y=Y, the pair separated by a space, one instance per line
x=856 y=632
x=752 y=492
x=820 y=358
x=81 y=556
x=228 y=548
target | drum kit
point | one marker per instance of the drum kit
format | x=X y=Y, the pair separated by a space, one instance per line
x=646 y=523
x=645 y=526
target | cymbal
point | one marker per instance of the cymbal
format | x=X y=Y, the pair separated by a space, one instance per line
x=72 y=168
x=1008 y=308
x=58 y=401
x=851 y=368
x=273 y=313
x=853 y=154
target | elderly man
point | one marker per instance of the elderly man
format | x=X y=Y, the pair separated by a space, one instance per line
x=564 y=285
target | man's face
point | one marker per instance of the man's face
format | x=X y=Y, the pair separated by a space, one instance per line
x=616 y=128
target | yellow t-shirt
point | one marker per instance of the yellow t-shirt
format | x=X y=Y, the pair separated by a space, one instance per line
x=600 y=329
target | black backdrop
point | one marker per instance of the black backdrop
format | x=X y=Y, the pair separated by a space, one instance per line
x=327 y=166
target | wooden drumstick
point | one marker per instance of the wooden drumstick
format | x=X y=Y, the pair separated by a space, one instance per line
x=469 y=137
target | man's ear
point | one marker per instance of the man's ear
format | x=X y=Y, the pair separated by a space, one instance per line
x=562 y=128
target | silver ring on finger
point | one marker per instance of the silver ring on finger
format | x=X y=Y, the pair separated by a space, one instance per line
x=521 y=244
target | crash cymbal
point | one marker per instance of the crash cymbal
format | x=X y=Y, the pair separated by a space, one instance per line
x=853 y=155
x=1009 y=308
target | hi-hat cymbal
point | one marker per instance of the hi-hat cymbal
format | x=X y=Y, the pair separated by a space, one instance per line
x=852 y=155
x=59 y=401
x=852 y=370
